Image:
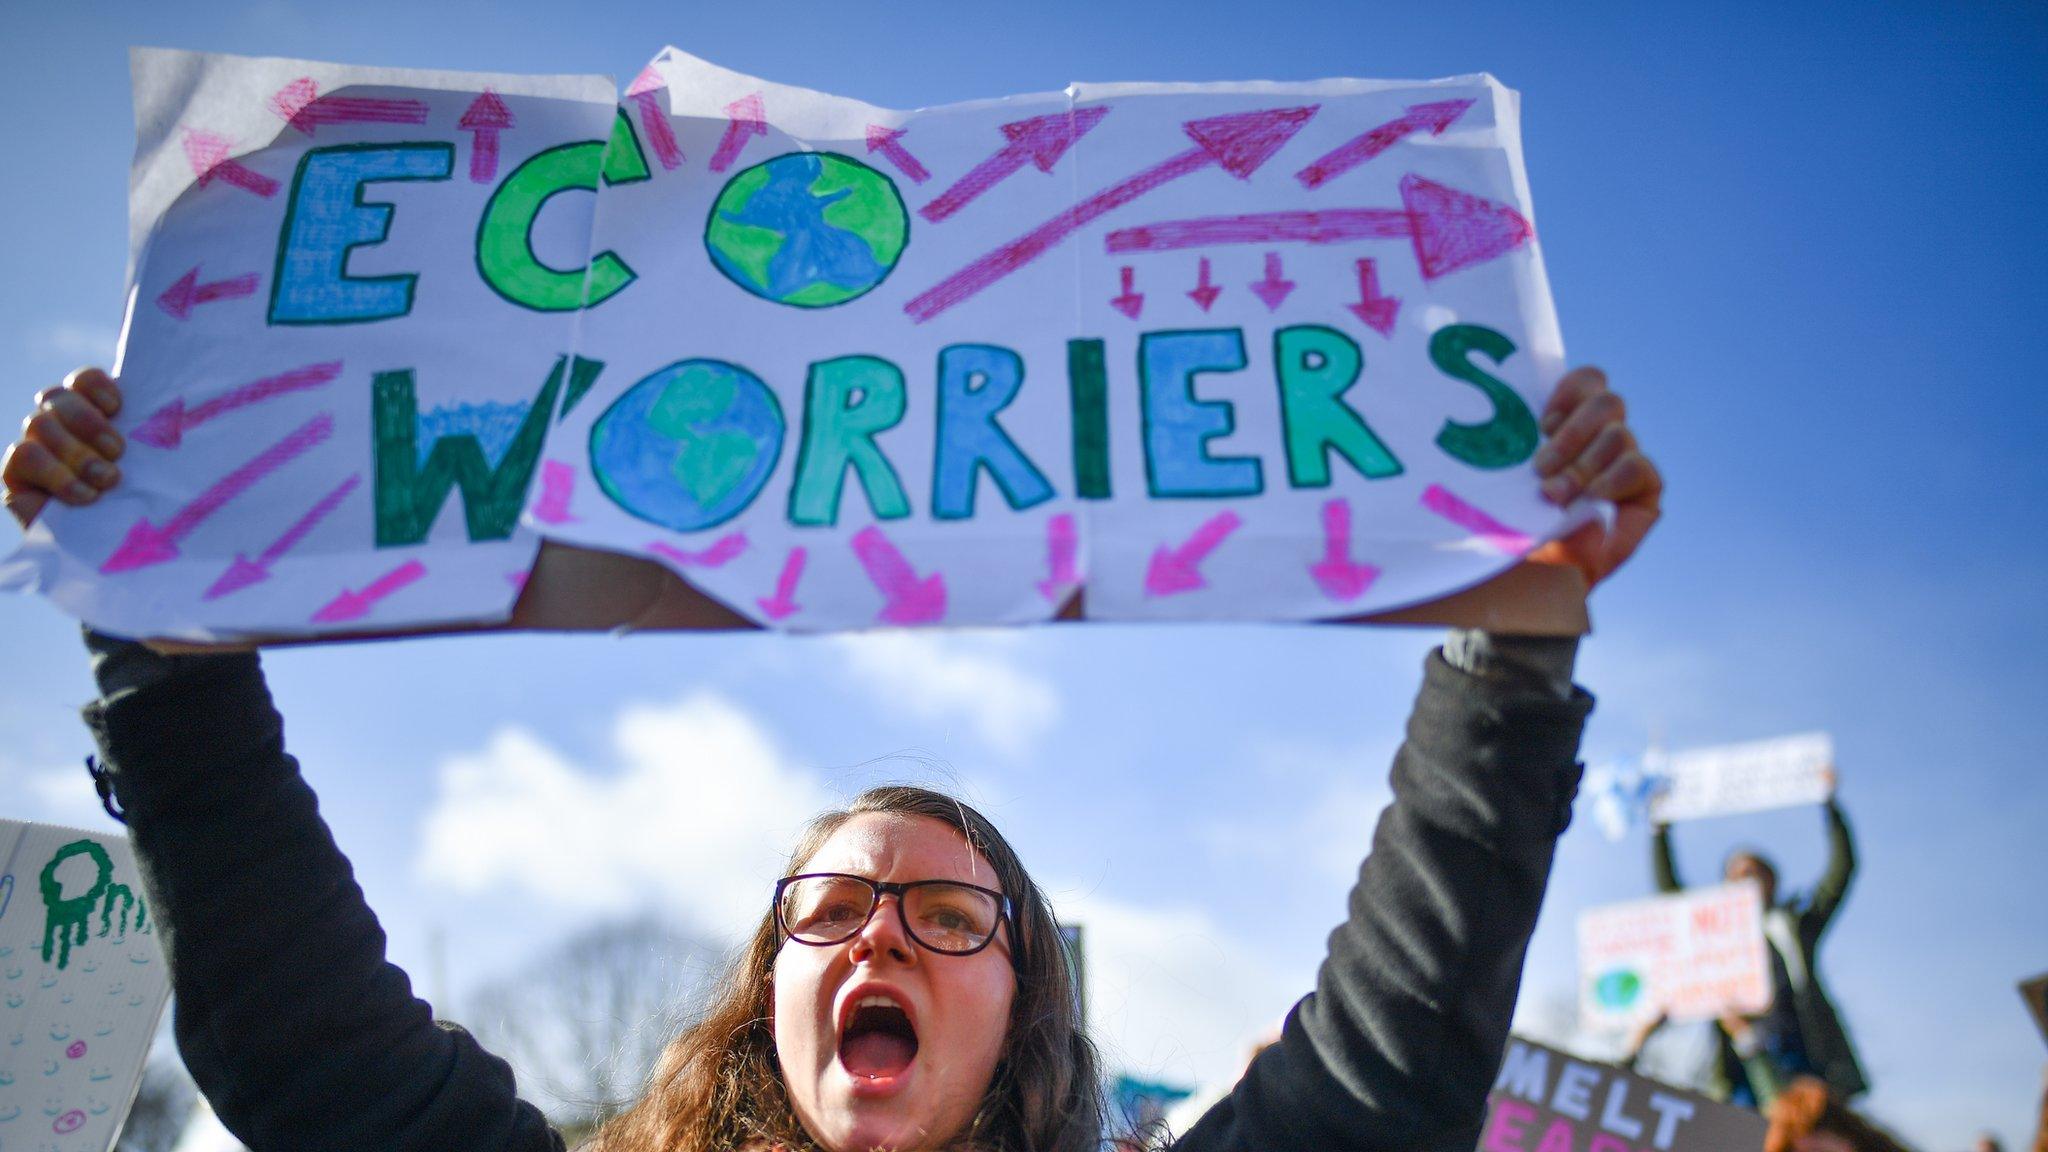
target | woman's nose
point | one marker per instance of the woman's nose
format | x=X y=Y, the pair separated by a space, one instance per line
x=884 y=934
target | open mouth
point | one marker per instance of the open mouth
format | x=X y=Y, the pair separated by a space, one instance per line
x=879 y=1042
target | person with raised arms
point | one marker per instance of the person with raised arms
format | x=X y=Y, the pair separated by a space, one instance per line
x=905 y=987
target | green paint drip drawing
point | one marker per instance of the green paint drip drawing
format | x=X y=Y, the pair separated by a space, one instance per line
x=68 y=917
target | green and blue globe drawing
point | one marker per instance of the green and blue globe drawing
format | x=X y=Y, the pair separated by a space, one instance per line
x=1617 y=988
x=689 y=446
x=808 y=229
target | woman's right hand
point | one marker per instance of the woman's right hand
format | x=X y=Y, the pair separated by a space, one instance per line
x=68 y=446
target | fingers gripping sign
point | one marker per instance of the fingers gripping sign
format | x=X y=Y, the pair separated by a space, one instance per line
x=1589 y=451
x=68 y=446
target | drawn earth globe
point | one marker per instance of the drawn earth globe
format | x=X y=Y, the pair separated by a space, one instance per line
x=808 y=229
x=689 y=446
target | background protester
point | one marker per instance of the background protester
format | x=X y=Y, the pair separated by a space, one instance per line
x=1807 y=1117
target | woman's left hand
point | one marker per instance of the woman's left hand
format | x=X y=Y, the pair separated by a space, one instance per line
x=1588 y=450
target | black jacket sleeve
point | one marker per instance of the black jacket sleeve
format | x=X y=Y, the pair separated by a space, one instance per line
x=1399 y=1043
x=299 y=1031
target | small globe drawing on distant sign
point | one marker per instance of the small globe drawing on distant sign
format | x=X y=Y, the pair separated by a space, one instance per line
x=689 y=446
x=808 y=229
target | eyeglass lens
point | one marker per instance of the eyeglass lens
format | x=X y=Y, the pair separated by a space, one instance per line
x=941 y=916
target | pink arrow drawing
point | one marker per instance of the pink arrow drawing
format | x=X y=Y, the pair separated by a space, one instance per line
x=557 y=485
x=1132 y=301
x=1375 y=311
x=645 y=91
x=166 y=427
x=486 y=116
x=783 y=604
x=747 y=118
x=1449 y=229
x=187 y=292
x=1062 y=551
x=243 y=571
x=1430 y=118
x=909 y=599
x=1176 y=570
x=1238 y=144
x=355 y=605
x=723 y=551
x=889 y=142
x=302 y=106
x=1274 y=288
x=517 y=579
x=208 y=155
x=1041 y=140
x=1494 y=534
x=147 y=544
x=1204 y=293
x=1337 y=574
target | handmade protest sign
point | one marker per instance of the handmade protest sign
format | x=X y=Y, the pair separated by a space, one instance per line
x=82 y=983
x=1547 y=1101
x=1737 y=778
x=1691 y=955
x=1247 y=351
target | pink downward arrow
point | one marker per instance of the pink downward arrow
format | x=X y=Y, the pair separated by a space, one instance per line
x=208 y=155
x=1176 y=570
x=1204 y=293
x=722 y=551
x=147 y=544
x=186 y=292
x=1488 y=531
x=1062 y=554
x=783 y=604
x=166 y=427
x=355 y=605
x=1375 y=311
x=1041 y=141
x=747 y=119
x=1132 y=301
x=645 y=93
x=889 y=142
x=1275 y=287
x=485 y=118
x=1430 y=118
x=243 y=571
x=1337 y=574
x=909 y=600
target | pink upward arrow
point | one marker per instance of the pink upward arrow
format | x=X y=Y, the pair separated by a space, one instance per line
x=166 y=427
x=1062 y=553
x=1375 y=311
x=1204 y=293
x=147 y=544
x=485 y=117
x=722 y=551
x=747 y=118
x=243 y=571
x=645 y=92
x=1449 y=229
x=1430 y=118
x=908 y=599
x=1337 y=574
x=186 y=292
x=1275 y=287
x=1132 y=301
x=783 y=604
x=302 y=106
x=889 y=142
x=1239 y=144
x=1041 y=140
x=208 y=155
x=1176 y=570
x=355 y=605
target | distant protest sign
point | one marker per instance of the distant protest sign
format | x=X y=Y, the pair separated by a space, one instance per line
x=1725 y=781
x=1225 y=351
x=1546 y=1101
x=1691 y=956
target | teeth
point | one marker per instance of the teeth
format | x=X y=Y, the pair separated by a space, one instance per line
x=875 y=1002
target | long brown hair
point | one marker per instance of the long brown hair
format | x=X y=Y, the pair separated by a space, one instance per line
x=718 y=1086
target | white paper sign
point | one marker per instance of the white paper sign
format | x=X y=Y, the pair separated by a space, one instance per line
x=1781 y=773
x=1692 y=955
x=82 y=983
x=1223 y=351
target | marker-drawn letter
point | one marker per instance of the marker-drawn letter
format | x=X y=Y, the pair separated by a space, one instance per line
x=977 y=381
x=1525 y=1072
x=1178 y=427
x=410 y=492
x=1316 y=366
x=1671 y=1112
x=1614 y=1114
x=504 y=239
x=1507 y=439
x=327 y=218
x=848 y=401
x=1574 y=1093
x=1088 y=390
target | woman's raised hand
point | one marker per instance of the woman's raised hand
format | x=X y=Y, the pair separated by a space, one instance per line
x=1588 y=450
x=68 y=446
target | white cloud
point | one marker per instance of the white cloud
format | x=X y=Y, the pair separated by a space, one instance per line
x=1328 y=835
x=80 y=343
x=699 y=815
x=973 y=678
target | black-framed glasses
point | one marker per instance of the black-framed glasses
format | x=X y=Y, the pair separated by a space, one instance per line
x=945 y=916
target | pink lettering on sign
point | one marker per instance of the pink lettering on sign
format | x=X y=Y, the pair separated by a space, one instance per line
x=1504 y=1127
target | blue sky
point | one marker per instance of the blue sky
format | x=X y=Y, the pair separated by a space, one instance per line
x=1805 y=241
